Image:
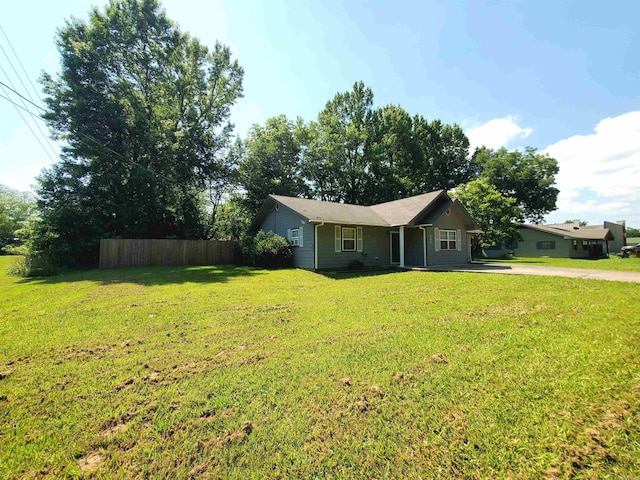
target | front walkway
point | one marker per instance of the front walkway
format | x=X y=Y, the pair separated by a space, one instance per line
x=514 y=269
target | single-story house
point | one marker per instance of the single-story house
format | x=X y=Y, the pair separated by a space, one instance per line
x=423 y=230
x=568 y=240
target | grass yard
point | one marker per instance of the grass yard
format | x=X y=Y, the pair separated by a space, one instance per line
x=612 y=263
x=230 y=372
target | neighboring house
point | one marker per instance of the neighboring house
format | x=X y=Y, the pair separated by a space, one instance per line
x=570 y=240
x=428 y=229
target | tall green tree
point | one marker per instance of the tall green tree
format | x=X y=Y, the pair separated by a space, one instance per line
x=527 y=176
x=394 y=156
x=339 y=165
x=233 y=219
x=443 y=155
x=15 y=211
x=494 y=212
x=272 y=162
x=144 y=111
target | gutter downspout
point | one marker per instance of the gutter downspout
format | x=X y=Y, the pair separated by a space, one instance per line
x=315 y=245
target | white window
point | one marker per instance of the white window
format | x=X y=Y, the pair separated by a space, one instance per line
x=295 y=237
x=348 y=239
x=448 y=240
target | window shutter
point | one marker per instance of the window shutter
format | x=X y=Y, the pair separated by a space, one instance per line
x=359 y=238
x=300 y=230
x=289 y=235
x=338 y=239
x=436 y=237
x=459 y=240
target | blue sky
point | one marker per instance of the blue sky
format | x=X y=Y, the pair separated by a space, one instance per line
x=560 y=76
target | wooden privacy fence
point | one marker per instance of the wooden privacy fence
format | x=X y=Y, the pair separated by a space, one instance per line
x=120 y=253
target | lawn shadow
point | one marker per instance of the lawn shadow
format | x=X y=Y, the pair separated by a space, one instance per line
x=150 y=276
x=348 y=274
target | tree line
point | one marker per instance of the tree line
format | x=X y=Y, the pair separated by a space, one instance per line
x=359 y=154
x=143 y=111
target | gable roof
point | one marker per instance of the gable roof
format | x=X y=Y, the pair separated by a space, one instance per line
x=582 y=233
x=330 y=212
x=406 y=211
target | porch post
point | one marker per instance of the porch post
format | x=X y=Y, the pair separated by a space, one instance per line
x=401 y=240
x=424 y=244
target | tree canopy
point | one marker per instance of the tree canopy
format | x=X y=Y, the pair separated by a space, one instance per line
x=15 y=211
x=143 y=110
x=339 y=156
x=271 y=163
x=527 y=176
x=494 y=212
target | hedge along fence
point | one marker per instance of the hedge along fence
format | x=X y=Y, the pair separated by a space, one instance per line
x=121 y=253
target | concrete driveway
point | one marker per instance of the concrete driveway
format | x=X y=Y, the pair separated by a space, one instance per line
x=514 y=269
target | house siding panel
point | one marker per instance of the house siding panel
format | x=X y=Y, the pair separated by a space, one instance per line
x=528 y=246
x=617 y=230
x=375 y=248
x=448 y=257
x=280 y=221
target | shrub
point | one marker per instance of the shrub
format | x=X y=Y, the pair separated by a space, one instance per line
x=15 y=250
x=271 y=250
x=33 y=265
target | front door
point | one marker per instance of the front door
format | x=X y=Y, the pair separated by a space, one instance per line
x=395 y=247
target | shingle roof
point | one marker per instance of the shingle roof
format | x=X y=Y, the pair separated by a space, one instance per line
x=332 y=212
x=406 y=210
x=388 y=214
x=591 y=233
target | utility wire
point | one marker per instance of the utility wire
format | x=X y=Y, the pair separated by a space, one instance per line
x=13 y=88
x=87 y=137
x=22 y=97
x=29 y=126
x=20 y=106
x=22 y=66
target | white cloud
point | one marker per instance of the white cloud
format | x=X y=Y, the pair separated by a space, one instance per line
x=600 y=173
x=496 y=133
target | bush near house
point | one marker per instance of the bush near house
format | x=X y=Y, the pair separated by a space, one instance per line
x=265 y=250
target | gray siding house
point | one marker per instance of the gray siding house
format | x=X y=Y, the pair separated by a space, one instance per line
x=424 y=230
x=570 y=240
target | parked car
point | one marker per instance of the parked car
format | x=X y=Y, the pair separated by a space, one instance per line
x=629 y=250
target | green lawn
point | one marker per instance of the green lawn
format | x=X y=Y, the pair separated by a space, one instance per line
x=231 y=372
x=612 y=263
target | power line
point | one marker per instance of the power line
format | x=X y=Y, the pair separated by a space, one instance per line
x=23 y=99
x=21 y=96
x=21 y=65
x=20 y=106
x=29 y=126
x=87 y=137
x=15 y=71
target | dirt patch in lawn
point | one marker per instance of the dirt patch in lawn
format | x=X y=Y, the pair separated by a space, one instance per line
x=593 y=446
x=91 y=461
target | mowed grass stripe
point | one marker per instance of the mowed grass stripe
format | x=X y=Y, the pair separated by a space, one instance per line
x=229 y=372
